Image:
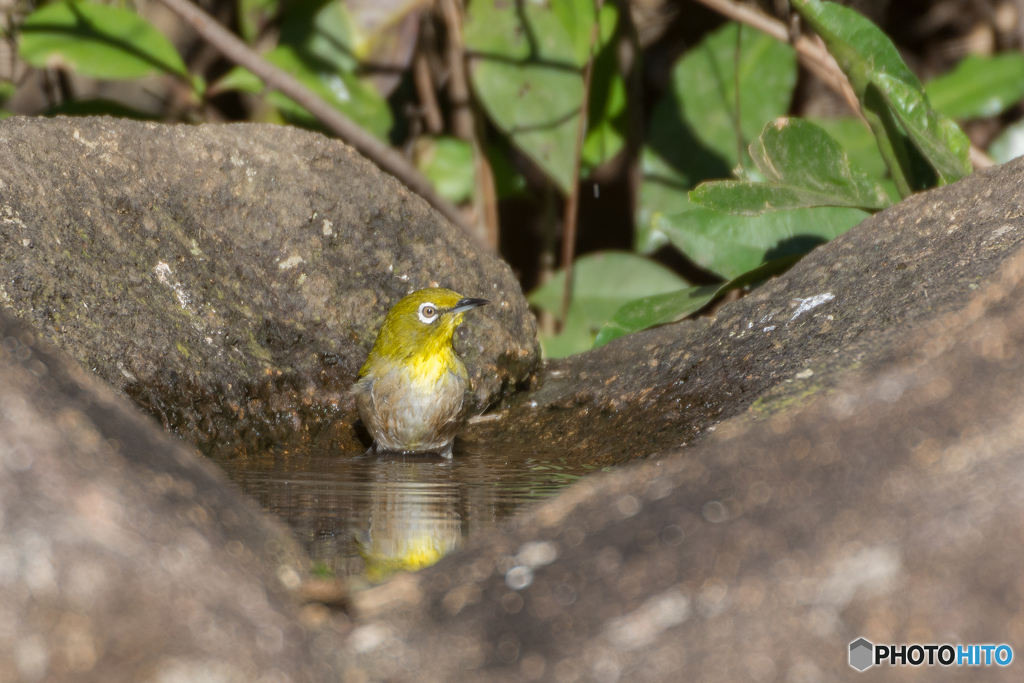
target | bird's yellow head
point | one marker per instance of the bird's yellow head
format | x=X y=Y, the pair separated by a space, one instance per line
x=417 y=332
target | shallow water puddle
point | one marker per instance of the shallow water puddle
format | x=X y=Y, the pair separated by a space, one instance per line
x=373 y=515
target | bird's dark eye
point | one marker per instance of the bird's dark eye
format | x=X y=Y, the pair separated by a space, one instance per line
x=428 y=313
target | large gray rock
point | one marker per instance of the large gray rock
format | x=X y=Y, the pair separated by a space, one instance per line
x=123 y=555
x=879 y=497
x=231 y=279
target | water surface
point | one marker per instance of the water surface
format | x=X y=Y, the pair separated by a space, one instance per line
x=369 y=515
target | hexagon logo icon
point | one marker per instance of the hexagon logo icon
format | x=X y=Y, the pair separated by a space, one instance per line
x=861 y=652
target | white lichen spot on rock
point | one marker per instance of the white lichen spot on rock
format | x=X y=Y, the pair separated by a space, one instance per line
x=78 y=136
x=811 y=303
x=290 y=262
x=1000 y=231
x=328 y=228
x=164 y=276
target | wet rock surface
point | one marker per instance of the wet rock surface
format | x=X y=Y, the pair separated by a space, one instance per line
x=889 y=508
x=123 y=555
x=847 y=305
x=231 y=279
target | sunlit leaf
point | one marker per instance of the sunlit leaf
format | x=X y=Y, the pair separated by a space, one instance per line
x=101 y=41
x=704 y=87
x=448 y=164
x=323 y=31
x=803 y=167
x=576 y=336
x=920 y=146
x=731 y=245
x=663 y=191
x=979 y=86
x=857 y=141
x=527 y=71
x=661 y=309
x=938 y=138
x=692 y=131
x=602 y=282
x=606 y=116
x=658 y=309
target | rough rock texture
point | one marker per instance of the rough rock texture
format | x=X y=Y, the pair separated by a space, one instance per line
x=231 y=279
x=124 y=556
x=891 y=508
x=847 y=304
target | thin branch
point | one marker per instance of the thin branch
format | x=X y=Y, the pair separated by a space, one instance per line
x=425 y=91
x=366 y=144
x=468 y=126
x=572 y=204
x=458 y=86
x=812 y=54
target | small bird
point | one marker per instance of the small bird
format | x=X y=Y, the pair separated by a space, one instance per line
x=411 y=388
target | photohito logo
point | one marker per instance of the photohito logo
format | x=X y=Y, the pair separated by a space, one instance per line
x=864 y=654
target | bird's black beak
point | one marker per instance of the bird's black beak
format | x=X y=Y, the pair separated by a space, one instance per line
x=466 y=304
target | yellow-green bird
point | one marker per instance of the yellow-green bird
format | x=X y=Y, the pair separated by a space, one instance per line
x=411 y=388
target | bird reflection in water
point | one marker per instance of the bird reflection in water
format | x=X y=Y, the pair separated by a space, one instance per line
x=367 y=517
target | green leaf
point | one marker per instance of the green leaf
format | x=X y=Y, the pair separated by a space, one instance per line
x=661 y=309
x=7 y=89
x=251 y=16
x=342 y=90
x=1009 y=145
x=919 y=145
x=577 y=19
x=527 y=71
x=602 y=282
x=803 y=167
x=321 y=31
x=704 y=86
x=731 y=245
x=859 y=143
x=938 y=138
x=606 y=113
x=576 y=336
x=692 y=133
x=96 y=40
x=979 y=86
x=508 y=182
x=448 y=164
x=664 y=190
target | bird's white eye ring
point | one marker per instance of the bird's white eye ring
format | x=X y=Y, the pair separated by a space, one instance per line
x=428 y=312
